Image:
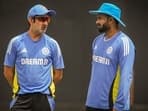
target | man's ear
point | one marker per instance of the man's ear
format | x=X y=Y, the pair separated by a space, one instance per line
x=31 y=19
x=111 y=19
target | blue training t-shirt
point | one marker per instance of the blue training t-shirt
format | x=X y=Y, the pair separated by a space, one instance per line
x=33 y=61
x=109 y=56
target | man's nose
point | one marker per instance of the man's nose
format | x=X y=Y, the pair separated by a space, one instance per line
x=97 y=21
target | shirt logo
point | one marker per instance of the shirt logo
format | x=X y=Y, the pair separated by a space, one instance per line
x=101 y=60
x=34 y=61
x=109 y=50
x=45 y=51
x=24 y=50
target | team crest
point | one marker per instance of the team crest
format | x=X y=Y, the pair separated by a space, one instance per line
x=45 y=51
x=109 y=50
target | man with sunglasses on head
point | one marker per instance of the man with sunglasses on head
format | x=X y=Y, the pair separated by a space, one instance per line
x=113 y=55
x=34 y=64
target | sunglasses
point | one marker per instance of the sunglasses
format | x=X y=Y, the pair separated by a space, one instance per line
x=42 y=18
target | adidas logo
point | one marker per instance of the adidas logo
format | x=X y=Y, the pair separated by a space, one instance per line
x=24 y=50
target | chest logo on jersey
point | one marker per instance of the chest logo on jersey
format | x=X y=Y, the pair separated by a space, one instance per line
x=109 y=50
x=45 y=51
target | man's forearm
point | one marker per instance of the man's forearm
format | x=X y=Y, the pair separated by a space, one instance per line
x=10 y=80
x=9 y=74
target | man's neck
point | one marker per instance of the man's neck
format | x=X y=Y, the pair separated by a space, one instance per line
x=109 y=34
x=33 y=36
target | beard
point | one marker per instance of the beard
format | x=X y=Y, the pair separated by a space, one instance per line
x=103 y=28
